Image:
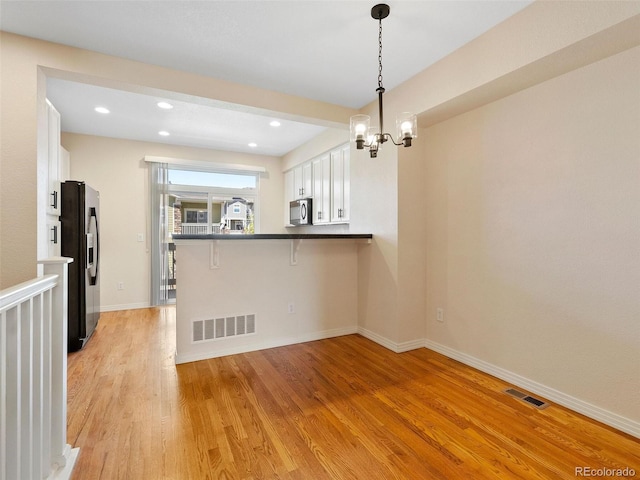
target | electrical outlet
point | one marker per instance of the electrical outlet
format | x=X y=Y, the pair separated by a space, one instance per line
x=120 y=285
x=291 y=308
x=440 y=314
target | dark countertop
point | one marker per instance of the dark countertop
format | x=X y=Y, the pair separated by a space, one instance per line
x=274 y=236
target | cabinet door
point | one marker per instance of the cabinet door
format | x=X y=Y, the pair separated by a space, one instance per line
x=303 y=181
x=289 y=194
x=307 y=180
x=53 y=236
x=297 y=182
x=340 y=185
x=321 y=170
x=346 y=183
x=53 y=182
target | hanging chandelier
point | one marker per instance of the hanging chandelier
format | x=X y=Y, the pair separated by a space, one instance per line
x=362 y=133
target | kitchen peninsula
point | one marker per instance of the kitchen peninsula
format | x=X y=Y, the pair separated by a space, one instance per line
x=239 y=293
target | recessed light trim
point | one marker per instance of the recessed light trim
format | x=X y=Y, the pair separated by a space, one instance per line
x=163 y=133
x=275 y=123
x=165 y=105
x=253 y=144
x=102 y=110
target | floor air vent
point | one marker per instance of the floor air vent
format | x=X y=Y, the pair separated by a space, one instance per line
x=526 y=398
x=223 y=327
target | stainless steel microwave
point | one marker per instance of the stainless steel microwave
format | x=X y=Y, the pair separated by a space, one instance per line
x=300 y=212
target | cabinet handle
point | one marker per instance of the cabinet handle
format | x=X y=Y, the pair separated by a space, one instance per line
x=339 y=213
x=54 y=200
x=319 y=215
x=54 y=230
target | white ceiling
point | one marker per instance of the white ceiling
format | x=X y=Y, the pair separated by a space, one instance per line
x=323 y=50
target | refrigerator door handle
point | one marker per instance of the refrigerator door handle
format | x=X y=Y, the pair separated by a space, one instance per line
x=93 y=251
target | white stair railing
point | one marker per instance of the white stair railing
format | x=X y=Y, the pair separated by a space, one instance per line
x=33 y=377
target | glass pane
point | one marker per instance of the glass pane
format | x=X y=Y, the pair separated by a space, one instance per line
x=237 y=216
x=209 y=179
x=189 y=213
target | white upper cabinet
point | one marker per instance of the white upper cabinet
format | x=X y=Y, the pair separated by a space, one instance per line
x=302 y=181
x=340 y=185
x=326 y=180
x=57 y=171
x=289 y=194
x=321 y=189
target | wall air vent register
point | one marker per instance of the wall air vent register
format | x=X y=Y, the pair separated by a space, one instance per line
x=223 y=327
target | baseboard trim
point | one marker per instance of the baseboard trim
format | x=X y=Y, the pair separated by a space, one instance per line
x=393 y=346
x=379 y=339
x=70 y=456
x=124 y=306
x=596 y=413
x=280 y=342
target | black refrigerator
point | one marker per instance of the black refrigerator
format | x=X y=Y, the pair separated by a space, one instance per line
x=80 y=240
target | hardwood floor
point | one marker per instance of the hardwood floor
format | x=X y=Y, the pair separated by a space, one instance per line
x=343 y=408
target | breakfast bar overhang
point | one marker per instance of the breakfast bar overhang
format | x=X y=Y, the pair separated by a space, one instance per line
x=239 y=293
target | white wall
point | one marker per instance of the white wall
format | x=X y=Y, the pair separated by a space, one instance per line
x=116 y=169
x=533 y=238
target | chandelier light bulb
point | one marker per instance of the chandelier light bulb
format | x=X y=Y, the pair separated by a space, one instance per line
x=407 y=128
x=359 y=129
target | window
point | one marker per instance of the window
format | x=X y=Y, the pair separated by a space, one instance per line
x=211 y=179
x=193 y=215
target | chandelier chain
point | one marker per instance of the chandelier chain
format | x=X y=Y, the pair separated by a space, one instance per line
x=380 y=55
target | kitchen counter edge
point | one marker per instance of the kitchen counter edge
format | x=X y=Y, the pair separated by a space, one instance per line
x=275 y=236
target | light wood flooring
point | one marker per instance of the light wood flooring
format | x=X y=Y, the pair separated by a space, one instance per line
x=343 y=408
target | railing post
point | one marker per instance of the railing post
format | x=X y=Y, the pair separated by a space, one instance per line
x=59 y=303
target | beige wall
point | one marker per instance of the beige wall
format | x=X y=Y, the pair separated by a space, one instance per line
x=116 y=169
x=26 y=64
x=533 y=233
x=327 y=140
x=257 y=278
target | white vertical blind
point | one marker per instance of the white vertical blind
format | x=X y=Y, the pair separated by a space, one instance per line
x=159 y=267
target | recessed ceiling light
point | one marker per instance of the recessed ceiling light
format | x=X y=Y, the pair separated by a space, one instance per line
x=253 y=145
x=165 y=105
x=275 y=123
x=164 y=133
x=102 y=110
